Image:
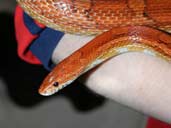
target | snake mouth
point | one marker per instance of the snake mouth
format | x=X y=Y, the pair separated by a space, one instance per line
x=48 y=91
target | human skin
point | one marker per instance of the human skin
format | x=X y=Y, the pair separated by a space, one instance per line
x=139 y=81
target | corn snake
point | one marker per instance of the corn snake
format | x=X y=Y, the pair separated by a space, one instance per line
x=121 y=25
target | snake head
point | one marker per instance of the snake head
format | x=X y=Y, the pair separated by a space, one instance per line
x=49 y=86
x=53 y=83
x=61 y=76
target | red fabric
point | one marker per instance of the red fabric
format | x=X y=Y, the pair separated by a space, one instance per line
x=24 y=38
x=153 y=123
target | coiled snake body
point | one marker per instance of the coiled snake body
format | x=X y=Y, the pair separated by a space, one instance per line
x=121 y=25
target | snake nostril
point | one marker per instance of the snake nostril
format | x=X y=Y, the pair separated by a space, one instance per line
x=55 y=84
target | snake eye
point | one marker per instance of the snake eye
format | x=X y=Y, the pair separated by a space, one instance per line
x=55 y=84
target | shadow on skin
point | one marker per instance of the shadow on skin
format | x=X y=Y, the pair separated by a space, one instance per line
x=23 y=79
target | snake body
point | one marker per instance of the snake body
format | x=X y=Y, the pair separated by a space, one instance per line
x=123 y=25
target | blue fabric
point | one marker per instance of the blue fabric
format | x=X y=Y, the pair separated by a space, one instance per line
x=31 y=25
x=42 y=47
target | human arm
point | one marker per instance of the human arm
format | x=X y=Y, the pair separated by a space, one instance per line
x=136 y=80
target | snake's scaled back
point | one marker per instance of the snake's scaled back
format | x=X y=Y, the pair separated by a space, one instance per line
x=97 y=16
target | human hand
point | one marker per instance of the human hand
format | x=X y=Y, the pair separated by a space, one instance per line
x=139 y=81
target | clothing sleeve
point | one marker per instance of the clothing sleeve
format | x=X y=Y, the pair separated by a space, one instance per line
x=153 y=123
x=35 y=41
